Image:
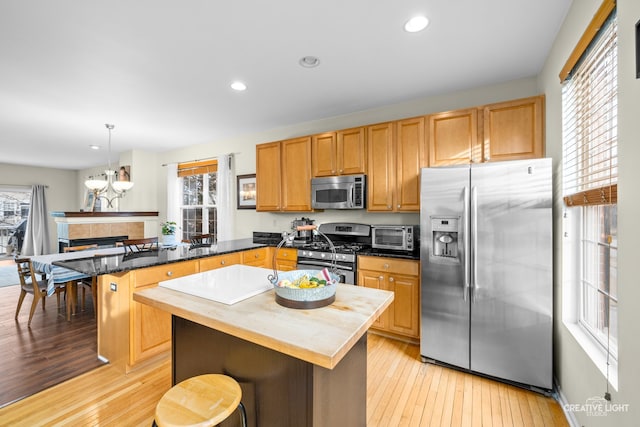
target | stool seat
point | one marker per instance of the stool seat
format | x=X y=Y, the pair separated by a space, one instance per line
x=204 y=400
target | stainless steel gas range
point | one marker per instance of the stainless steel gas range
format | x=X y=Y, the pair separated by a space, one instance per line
x=347 y=239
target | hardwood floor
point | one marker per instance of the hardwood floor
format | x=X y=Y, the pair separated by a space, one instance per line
x=50 y=352
x=401 y=391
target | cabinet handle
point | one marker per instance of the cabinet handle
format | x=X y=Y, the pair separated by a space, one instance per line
x=388 y=206
x=398 y=206
x=487 y=158
x=386 y=266
x=256 y=255
x=169 y=273
x=222 y=262
x=341 y=170
x=380 y=278
x=391 y=279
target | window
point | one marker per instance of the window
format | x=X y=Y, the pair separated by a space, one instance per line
x=590 y=170
x=14 y=211
x=199 y=209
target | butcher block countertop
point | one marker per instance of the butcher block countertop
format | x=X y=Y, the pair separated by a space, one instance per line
x=321 y=336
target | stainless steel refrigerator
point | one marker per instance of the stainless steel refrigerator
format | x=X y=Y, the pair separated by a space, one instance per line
x=486 y=259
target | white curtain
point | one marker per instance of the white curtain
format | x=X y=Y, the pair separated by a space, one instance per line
x=225 y=197
x=173 y=198
x=36 y=239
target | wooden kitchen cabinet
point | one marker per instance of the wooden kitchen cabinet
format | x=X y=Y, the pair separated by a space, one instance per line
x=453 y=138
x=256 y=258
x=339 y=153
x=508 y=130
x=219 y=261
x=283 y=176
x=286 y=259
x=150 y=328
x=402 y=277
x=514 y=130
x=396 y=152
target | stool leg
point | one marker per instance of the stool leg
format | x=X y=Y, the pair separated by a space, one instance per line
x=243 y=414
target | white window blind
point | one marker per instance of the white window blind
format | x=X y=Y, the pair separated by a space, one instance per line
x=590 y=148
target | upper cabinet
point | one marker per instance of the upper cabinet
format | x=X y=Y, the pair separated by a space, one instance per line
x=453 y=137
x=339 y=153
x=509 y=130
x=392 y=153
x=514 y=130
x=283 y=176
x=395 y=155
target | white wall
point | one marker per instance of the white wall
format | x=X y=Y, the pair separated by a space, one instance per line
x=60 y=196
x=578 y=378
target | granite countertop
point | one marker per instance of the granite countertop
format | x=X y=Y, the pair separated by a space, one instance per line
x=322 y=336
x=109 y=264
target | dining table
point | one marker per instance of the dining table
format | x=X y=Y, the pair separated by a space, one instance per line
x=57 y=275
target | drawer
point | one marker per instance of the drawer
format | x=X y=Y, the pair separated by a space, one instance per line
x=389 y=265
x=148 y=276
x=219 y=261
x=287 y=254
x=254 y=255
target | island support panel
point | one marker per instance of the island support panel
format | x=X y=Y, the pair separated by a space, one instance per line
x=277 y=389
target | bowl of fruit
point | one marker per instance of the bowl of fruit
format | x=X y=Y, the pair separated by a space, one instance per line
x=305 y=288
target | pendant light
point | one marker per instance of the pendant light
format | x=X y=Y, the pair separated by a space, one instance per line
x=108 y=188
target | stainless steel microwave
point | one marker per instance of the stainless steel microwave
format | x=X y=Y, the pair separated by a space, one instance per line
x=339 y=192
x=395 y=237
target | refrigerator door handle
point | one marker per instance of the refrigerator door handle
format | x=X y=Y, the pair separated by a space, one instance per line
x=465 y=221
x=474 y=247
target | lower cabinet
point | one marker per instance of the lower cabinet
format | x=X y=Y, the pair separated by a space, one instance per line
x=286 y=259
x=220 y=261
x=150 y=328
x=402 y=277
x=257 y=258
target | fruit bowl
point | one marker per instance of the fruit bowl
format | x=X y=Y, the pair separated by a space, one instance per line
x=305 y=288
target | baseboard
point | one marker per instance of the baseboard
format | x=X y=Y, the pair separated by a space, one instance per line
x=562 y=400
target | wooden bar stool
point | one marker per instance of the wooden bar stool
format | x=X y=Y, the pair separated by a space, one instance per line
x=204 y=400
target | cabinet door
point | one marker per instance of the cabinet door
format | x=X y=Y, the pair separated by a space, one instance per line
x=296 y=175
x=381 y=167
x=514 y=130
x=410 y=150
x=323 y=154
x=453 y=137
x=151 y=331
x=351 y=151
x=404 y=312
x=375 y=280
x=268 y=177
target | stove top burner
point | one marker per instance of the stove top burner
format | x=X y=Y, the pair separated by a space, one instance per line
x=341 y=248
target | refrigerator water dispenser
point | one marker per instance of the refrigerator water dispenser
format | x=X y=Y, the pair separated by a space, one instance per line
x=445 y=236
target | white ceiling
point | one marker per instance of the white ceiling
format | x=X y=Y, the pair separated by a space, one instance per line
x=160 y=70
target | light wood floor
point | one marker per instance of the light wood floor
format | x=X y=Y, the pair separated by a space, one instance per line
x=401 y=391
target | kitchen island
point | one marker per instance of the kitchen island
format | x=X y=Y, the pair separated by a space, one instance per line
x=131 y=334
x=296 y=367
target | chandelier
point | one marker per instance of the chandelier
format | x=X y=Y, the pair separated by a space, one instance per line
x=108 y=188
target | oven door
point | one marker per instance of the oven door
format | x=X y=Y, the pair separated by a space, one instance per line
x=345 y=272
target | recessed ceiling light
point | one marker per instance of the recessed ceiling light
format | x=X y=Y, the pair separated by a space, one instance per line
x=239 y=86
x=309 y=61
x=94 y=147
x=415 y=24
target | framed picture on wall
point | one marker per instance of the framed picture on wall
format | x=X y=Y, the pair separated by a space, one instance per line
x=247 y=191
x=90 y=204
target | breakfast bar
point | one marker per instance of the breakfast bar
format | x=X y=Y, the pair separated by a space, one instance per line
x=295 y=367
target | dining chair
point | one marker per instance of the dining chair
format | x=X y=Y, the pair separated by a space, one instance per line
x=140 y=245
x=29 y=284
x=201 y=240
x=90 y=283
